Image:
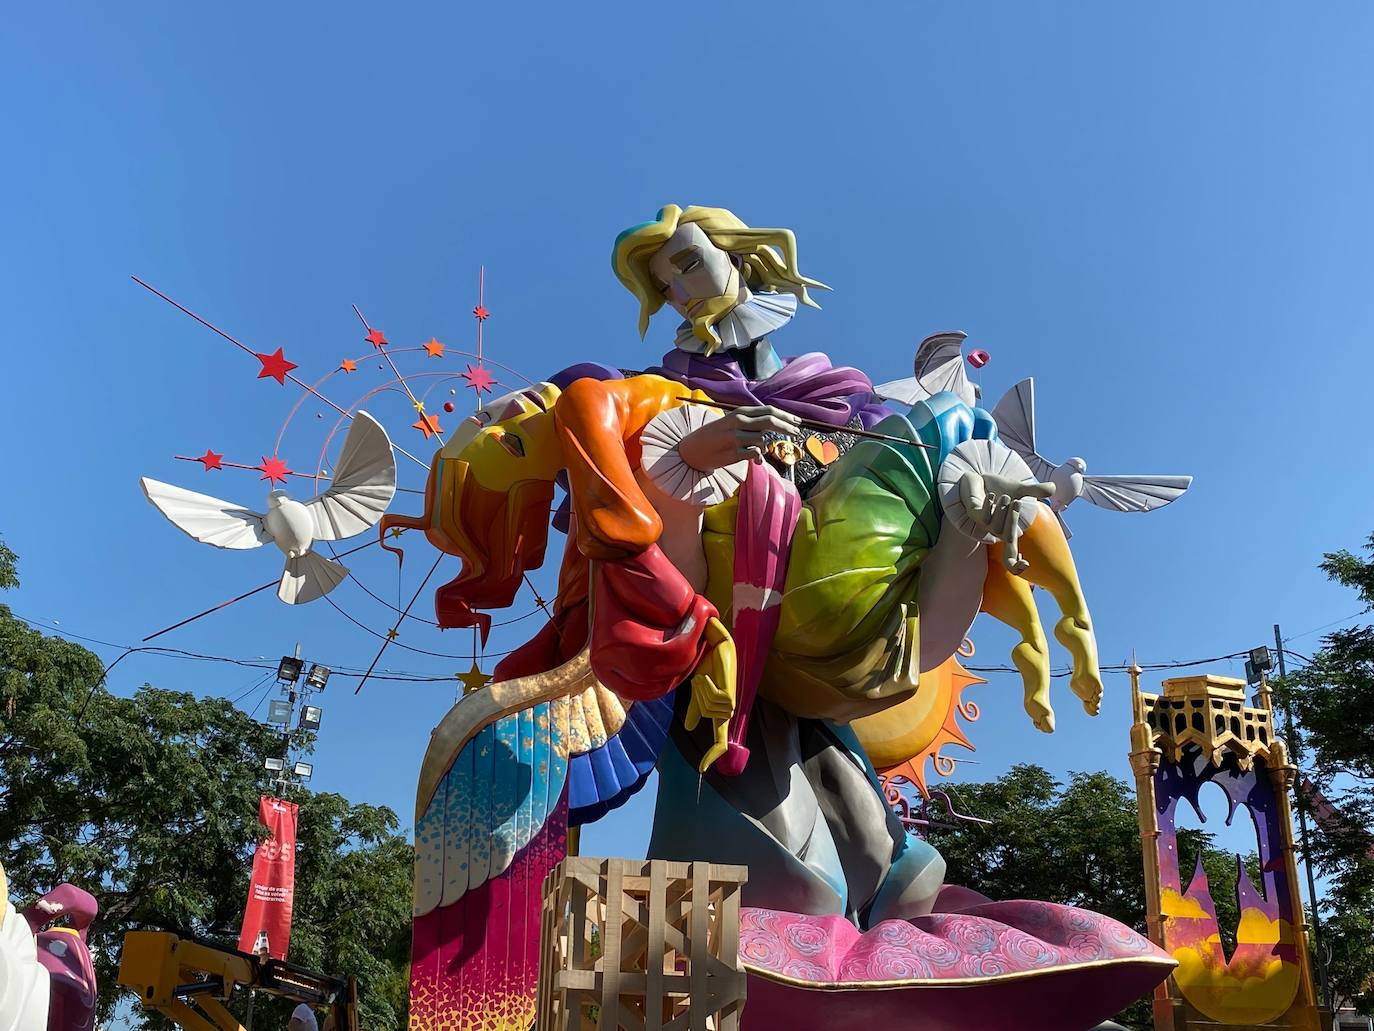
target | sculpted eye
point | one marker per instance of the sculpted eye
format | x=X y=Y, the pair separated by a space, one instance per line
x=513 y=444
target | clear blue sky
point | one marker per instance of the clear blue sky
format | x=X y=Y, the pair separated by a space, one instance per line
x=1163 y=212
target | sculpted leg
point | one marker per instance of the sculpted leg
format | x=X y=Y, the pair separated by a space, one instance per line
x=1052 y=567
x=1007 y=599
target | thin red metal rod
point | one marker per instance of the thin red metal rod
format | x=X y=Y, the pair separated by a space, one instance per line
x=241 y=597
x=395 y=629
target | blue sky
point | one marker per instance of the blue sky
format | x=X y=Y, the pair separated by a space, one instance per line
x=1162 y=212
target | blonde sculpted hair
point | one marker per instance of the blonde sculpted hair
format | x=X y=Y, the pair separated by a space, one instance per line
x=767 y=257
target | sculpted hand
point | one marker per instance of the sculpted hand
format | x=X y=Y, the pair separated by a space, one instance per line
x=993 y=503
x=713 y=691
x=736 y=435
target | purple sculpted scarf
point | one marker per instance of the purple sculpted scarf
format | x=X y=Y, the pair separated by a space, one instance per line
x=808 y=386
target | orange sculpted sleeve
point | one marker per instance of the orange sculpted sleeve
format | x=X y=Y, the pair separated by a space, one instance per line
x=598 y=424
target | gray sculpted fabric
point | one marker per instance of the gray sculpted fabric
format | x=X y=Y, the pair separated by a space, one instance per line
x=805 y=816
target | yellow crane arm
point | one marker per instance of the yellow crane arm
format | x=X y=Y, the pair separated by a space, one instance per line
x=190 y=981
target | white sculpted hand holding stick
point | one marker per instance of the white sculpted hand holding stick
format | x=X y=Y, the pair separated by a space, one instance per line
x=735 y=436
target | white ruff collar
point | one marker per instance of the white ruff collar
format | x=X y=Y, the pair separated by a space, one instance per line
x=748 y=321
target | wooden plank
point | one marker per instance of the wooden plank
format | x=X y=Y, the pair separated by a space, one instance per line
x=727 y=916
x=657 y=947
x=696 y=930
x=610 y=947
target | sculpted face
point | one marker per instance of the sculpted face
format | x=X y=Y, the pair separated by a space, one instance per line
x=487 y=500
x=697 y=278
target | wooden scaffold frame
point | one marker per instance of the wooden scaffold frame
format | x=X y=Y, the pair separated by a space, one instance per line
x=641 y=945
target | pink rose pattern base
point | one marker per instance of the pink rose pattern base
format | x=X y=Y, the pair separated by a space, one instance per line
x=987 y=941
x=1014 y=966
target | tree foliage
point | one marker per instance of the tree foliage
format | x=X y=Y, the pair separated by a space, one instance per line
x=1332 y=698
x=150 y=803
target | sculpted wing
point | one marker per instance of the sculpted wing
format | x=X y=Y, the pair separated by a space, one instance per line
x=1015 y=419
x=209 y=520
x=940 y=366
x=364 y=483
x=1134 y=493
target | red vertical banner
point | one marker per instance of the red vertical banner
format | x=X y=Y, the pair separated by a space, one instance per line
x=267 y=917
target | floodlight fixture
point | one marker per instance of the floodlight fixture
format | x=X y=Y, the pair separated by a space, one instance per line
x=1262 y=658
x=318 y=676
x=279 y=711
x=310 y=717
x=303 y=770
x=274 y=764
x=289 y=669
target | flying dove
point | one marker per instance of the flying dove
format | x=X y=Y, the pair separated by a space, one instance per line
x=362 y=487
x=1015 y=418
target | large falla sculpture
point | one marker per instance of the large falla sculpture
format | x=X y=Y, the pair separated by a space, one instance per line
x=766 y=558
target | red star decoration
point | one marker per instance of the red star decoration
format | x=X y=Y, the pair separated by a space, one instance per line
x=348 y=365
x=274 y=469
x=275 y=365
x=428 y=425
x=479 y=378
x=211 y=460
x=480 y=313
x=434 y=349
x=376 y=338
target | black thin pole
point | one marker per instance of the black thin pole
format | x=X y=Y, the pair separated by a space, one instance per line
x=1295 y=749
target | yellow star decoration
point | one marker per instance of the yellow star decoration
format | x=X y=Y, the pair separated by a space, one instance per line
x=474 y=679
x=392 y=634
x=396 y=531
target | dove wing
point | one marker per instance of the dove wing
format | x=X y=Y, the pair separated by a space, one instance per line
x=1134 y=493
x=908 y=391
x=940 y=366
x=209 y=520
x=1015 y=418
x=364 y=483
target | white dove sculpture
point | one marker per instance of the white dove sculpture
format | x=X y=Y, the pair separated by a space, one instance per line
x=362 y=487
x=1015 y=419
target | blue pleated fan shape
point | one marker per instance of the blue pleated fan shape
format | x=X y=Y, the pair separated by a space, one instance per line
x=607 y=777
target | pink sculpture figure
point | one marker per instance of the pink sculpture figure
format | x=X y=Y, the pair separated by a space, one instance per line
x=63 y=952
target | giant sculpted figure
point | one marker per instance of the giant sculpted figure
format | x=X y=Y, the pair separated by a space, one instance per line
x=761 y=552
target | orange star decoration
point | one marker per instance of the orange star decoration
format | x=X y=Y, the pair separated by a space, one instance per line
x=275 y=366
x=348 y=365
x=474 y=679
x=434 y=349
x=274 y=469
x=480 y=313
x=479 y=378
x=211 y=460
x=376 y=338
x=428 y=425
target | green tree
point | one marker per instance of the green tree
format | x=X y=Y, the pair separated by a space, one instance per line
x=150 y=803
x=1332 y=698
x=1076 y=843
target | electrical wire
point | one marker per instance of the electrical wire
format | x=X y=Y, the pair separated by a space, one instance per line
x=257 y=683
x=1317 y=629
x=1146 y=667
x=266 y=691
x=181 y=653
x=422 y=678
